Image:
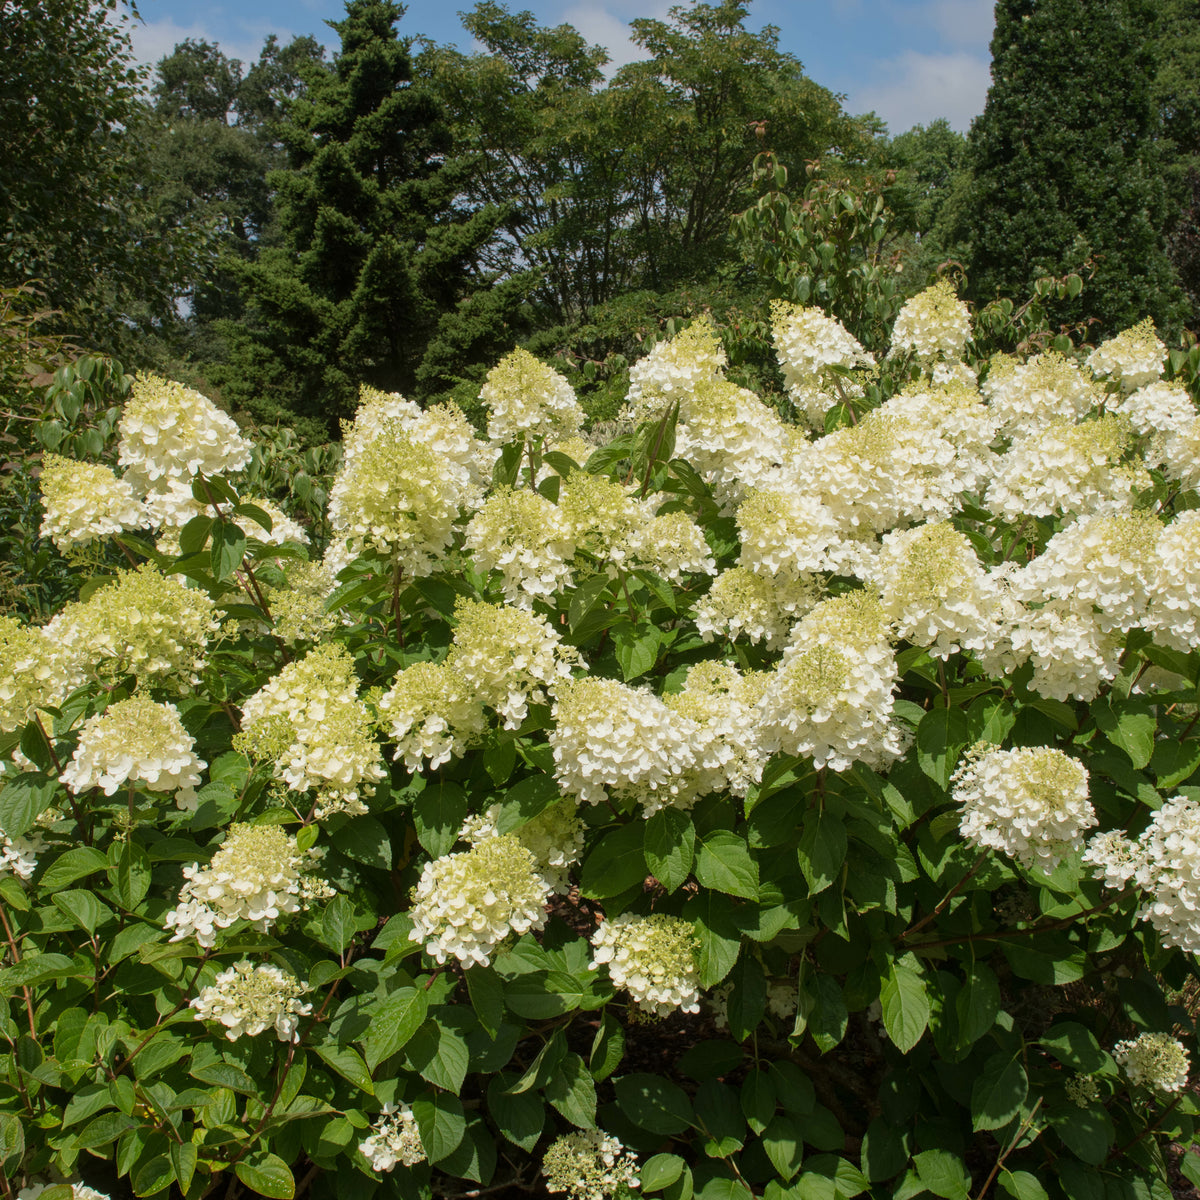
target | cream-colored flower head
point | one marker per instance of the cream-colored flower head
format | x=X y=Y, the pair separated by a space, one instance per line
x=84 y=502
x=1133 y=358
x=673 y=545
x=255 y=876
x=1154 y=1060
x=602 y=517
x=554 y=837
x=376 y=412
x=1158 y=408
x=590 y=1164
x=467 y=904
x=401 y=497
x=144 y=623
x=170 y=432
x=1030 y=803
x=653 y=958
x=1174 y=584
x=815 y=353
x=432 y=713
x=1026 y=397
x=934 y=325
x=523 y=536
x=311 y=723
x=1181 y=455
x=140 y=742
x=524 y=395
x=249 y=999
x=33 y=674
x=673 y=369
x=1072 y=657
x=789 y=534
x=394 y=1138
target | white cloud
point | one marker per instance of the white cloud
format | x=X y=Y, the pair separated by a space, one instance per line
x=962 y=22
x=915 y=88
x=602 y=27
x=154 y=40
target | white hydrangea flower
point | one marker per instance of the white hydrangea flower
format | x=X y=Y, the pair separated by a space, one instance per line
x=602 y=517
x=1030 y=803
x=140 y=742
x=1098 y=566
x=609 y=735
x=1065 y=468
x=298 y=612
x=526 y=538
x=507 y=657
x=432 y=713
x=789 y=534
x=934 y=590
x=1174 y=584
x=815 y=352
x=1181 y=455
x=144 y=624
x=254 y=876
x=673 y=369
x=759 y=607
x=376 y=412
x=653 y=958
x=394 y=1138
x=33 y=674
x=831 y=696
x=554 y=837
x=18 y=855
x=1134 y=357
x=673 y=545
x=524 y=395
x=249 y=1000
x=1026 y=397
x=1157 y=408
x=170 y=432
x=401 y=497
x=466 y=904
x=1154 y=1060
x=311 y=723
x=85 y=501
x=934 y=325
x=1073 y=658
x=589 y=1164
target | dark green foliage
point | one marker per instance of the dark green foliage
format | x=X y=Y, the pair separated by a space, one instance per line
x=1066 y=164
x=374 y=248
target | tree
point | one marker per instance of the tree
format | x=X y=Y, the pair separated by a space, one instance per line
x=1065 y=164
x=73 y=208
x=377 y=261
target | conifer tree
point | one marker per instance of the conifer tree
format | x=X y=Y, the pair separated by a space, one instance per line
x=1065 y=163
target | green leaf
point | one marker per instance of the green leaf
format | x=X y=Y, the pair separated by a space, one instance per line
x=608 y=1048
x=226 y=553
x=130 y=875
x=721 y=1187
x=225 y=1075
x=1022 y=1185
x=758 y=1099
x=1129 y=724
x=520 y=1117
x=941 y=736
x=487 y=996
x=617 y=862
x=723 y=863
x=439 y=1053
x=905 y=1007
x=1075 y=1046
x=660 y=1171
x=783 y=1141
x=636 y=648
x=587 y=597
x=747 y=997
x=153 y=1175
x=12 y=1138
x=709 y=1059
x=718 y=934
x=337 y=924
x=474 y=1157
x=266 y=1174
x=1087 y=1132
x=83 y=908
x=572 y=1091
x=438 y=814
x=526 y=800
x=441 y=1124
x=259 y=516
x=106 y=1128
x=348 y=1063
x=74 y=864
x=943 y=1174
x=184 y=1157
x=193 y=537
x=977 y=1003
x=365 y=841
x=655 y=1104
x=22 y=800
x=822 y=850
x=670 y=847
x=998 y=1094
x=394 y=1023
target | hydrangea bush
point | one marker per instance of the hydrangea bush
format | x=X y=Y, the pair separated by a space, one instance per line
x=800 y=809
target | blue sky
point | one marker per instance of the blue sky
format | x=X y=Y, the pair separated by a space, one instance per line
x=911 y=61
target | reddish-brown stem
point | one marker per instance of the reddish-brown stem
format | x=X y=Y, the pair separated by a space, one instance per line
x=941 y=907
x=16 y=957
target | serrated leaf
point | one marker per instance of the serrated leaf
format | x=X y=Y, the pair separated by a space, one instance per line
x=723 y=863
x=615 y=863
x=608 y=1048
x=83 y=908
x=438 y=814
x=977 y=1003
x=365 y=841
x=943 y=1174
x=225 y=1075
x=227 y=550
x=266 y=1174
x=394 y=1023
x=348 y=1063
x=572 y=1092
x=130 y=875
x=1129 y=724
x=999 y=1092
x=520 y=1117
x=439 y=1053
x=822 y=850
x=941 y=736
x=441 y=1124
x=670 y=847
x=905 y=1006
x=1021 y=1185
x=75 y=864
x=337 y=924
x=653 y=1103
x=783 y=1141
x=22 y=800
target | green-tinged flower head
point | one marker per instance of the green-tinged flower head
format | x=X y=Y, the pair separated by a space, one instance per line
x=524 y=395
x=554 y=837
x=332 y=750
x=32 y=675
x=170 y=432
x=673 y=545
x=1154 y=1060
x=601 y=516
x=654 y=958
x=590 y=1164
x=466 y=904
x=934 y=325
x=298 y=610
x=673 y=369
x=1134 y=357
x=760 y=607
x=145 y=624
x=249 y=999
x=140 y=742
x=433 y=714
x=816 y=352
x=1083 y=1090
x=84 y=502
